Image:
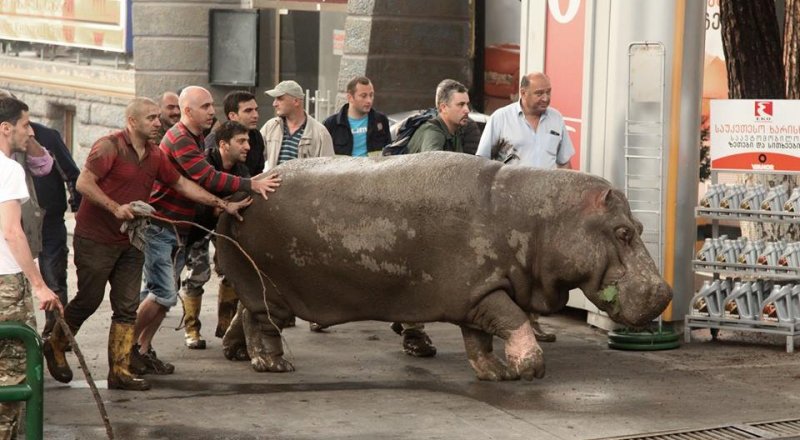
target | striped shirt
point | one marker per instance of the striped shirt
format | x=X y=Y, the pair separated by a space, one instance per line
x=291 y=141
x=185 y=152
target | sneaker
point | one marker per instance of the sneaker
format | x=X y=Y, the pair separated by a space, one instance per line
x=316 y=328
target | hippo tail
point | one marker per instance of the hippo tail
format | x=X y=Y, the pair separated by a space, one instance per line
x=504 y=151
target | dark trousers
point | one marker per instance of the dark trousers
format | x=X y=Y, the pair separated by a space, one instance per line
x=53 y=263
x=99 y=264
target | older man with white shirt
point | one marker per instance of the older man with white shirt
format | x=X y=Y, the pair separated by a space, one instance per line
x=535 y=135
x=535 y=130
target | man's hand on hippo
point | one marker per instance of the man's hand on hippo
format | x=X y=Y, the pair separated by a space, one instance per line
x=233 y=208
x=266 y=185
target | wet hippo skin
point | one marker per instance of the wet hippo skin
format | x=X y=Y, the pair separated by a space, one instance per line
x=436 y=237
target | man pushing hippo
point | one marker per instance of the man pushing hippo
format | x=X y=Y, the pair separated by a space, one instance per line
x=437 y=237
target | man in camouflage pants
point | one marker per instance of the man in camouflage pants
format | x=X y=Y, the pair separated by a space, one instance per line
x=19 y=276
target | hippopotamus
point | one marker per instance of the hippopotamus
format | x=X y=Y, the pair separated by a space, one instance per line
x=441 y=237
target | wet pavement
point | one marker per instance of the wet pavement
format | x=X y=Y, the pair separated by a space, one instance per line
x=354 y=382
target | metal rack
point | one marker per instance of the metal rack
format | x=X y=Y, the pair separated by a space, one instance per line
x=788 y=328
x=644 y=142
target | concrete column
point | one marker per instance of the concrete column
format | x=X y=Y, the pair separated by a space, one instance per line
x=170 y=44
x=406 y=47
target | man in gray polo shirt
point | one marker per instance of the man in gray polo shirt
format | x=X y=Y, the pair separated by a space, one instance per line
x=535 y=130
x=536 y=136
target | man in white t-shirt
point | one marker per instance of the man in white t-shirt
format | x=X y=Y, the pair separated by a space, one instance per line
x=19 y=276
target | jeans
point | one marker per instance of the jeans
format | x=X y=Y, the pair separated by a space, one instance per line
x=163 y=263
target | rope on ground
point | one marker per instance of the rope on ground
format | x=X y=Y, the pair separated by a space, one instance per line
x=259 y=272
x=86 y=373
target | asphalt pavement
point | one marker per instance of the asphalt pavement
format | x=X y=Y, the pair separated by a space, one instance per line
x=354 y=382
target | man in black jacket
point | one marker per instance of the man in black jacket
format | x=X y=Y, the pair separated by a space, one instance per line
x=229 y=153
x=50 y=191
x=241 y=106
x=358 y=129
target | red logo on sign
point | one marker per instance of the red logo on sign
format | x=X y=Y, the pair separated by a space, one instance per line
x=763 y=110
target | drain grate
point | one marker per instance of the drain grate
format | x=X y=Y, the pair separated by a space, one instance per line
x=779 y=429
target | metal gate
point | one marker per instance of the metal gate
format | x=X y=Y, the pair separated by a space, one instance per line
x=321 y=101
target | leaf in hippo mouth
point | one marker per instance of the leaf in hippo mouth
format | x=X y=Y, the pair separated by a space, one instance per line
x=609 y=294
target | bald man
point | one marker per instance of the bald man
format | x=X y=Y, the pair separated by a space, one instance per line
x=170 y=112
x=536 y=136
x=121 y=168
x=164 y=258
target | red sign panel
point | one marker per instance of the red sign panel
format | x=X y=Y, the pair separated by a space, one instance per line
x=563 y=63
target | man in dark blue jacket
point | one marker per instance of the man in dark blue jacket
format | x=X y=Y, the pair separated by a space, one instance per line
x=358 y=129
x=52 y=196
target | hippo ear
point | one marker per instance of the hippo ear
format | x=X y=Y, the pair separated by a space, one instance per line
x=602 y=199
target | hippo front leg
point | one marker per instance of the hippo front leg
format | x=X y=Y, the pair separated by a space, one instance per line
x=498 y=315
x=487 y=366
x=264 y=343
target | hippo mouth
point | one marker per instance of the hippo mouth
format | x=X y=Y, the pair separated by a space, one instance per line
x=634 y=314
x=608 y=298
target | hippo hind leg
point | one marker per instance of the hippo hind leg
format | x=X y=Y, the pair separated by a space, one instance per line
x=264 y=343
x=498 y=315
x=487 y=366
x=234 y=344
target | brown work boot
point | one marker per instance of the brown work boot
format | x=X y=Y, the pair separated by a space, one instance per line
x=538 y=331
x=226 y=307
x=120 y=342
x=138 y=363
x=191 y=311
x=53 y=350
x=154 y=365
x=417 y=343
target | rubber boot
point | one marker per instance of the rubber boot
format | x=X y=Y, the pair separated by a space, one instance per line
x=226 y=307
x=120 y=342
x=53 y=350
x=191 y=311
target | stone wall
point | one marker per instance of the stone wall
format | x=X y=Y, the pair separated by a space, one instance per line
x=170 y=45
x=96 y=95
x=406 y=47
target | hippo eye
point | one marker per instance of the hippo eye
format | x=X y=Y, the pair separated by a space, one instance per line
x=624 y=234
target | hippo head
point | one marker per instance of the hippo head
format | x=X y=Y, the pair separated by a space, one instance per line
x=610 y=262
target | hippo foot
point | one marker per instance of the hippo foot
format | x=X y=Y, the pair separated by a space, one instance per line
x=528 y=367
x=236 y=353
x=523 y=354
x=490 y=367
x=271 y=363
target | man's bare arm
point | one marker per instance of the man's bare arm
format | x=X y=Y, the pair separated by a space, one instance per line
x=196 y=193
x=10 y=223
x=87 y=185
